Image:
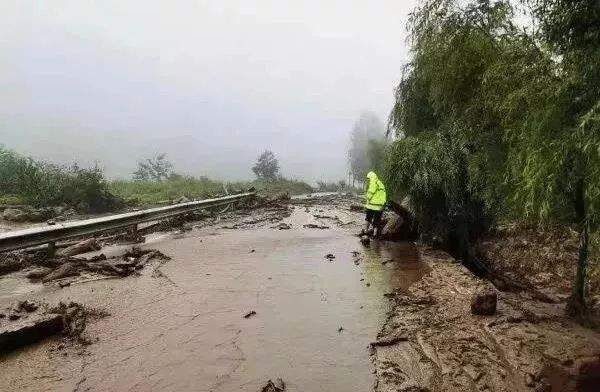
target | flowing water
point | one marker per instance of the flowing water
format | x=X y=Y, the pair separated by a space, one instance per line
x=182 y=327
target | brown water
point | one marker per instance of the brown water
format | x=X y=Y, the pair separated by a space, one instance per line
x=185 y=330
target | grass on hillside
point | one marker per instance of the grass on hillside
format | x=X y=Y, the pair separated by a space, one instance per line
x=151 y=192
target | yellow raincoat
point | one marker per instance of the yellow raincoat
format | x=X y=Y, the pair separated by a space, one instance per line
x=376 y=195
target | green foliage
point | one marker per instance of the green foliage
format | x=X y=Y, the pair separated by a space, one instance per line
x=44 y=184
x=267 y=166
x=494 y=121
x=157 y=168
x=152 y=192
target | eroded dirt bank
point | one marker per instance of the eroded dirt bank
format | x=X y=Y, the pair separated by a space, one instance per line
x=432 y=342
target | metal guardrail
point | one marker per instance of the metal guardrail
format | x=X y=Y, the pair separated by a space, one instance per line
x=20 y=239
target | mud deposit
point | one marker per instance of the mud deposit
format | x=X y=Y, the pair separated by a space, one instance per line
x=310 y=321
x=436 y=344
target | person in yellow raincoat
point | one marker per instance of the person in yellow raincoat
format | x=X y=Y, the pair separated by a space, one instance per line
x=376 y=197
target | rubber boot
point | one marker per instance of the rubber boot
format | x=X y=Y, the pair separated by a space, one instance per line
x=365 y=229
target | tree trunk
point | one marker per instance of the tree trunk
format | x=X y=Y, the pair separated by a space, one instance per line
x=577 y=305
x=579 y=288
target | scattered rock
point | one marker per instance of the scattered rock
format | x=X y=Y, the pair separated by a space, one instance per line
x=277 y=386
x=366 y=241
x=74 y=318
x=283 y=226
x=13 y=316
x=26 y=306
x=84 y=246
x=314 y=226
x=250 y=314
x=65 y=270
x=484 y=302
x=389 y=340
x=356 y=208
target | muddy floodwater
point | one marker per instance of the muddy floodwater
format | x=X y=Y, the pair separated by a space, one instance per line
x=183 y=328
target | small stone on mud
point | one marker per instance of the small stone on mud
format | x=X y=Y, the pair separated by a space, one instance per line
x=484 y=303
x=314 y=226
x=277 y=386
x=340 y=329
x=27 y=306
x=330 y=256
x=389 y=340
x=368 y=284
x=250 y=314
x=14 y=316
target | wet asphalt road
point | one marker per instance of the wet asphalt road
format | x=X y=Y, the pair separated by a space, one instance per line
x=182 y=328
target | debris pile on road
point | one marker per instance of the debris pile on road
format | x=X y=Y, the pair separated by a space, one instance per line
x=10 y=262
x=121 y=266
x=27 y=322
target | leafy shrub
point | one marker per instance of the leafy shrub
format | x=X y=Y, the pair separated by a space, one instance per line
x=44 y=184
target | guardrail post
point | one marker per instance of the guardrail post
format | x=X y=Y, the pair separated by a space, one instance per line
x=51 y=251
x=133 y=232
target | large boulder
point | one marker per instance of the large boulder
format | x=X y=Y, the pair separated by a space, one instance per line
x=484 y=302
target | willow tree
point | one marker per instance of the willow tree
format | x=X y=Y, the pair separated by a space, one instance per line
x=495 y=120
x=555 y=142
x=449 y=154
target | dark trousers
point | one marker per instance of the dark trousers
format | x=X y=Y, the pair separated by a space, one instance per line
x=374 y=217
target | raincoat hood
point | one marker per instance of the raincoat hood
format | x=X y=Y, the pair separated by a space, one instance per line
x=376 y=195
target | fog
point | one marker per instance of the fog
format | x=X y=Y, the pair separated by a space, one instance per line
x=210 y=83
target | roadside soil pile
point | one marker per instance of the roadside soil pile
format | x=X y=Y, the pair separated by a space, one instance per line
x=537 y=260
x=431 y=341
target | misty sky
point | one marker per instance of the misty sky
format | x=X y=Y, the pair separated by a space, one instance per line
x=211 y=83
